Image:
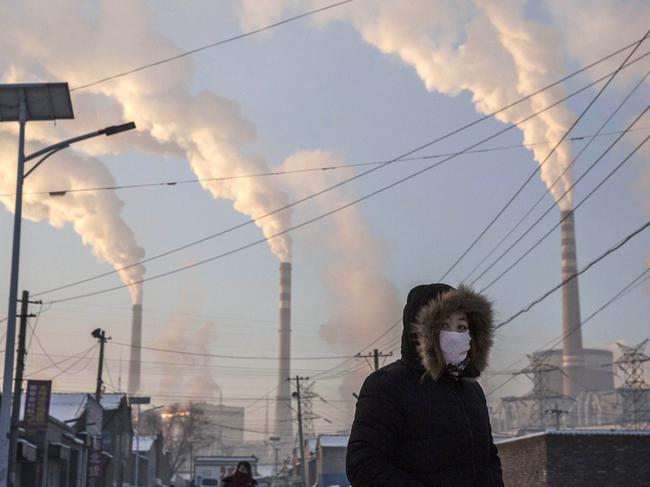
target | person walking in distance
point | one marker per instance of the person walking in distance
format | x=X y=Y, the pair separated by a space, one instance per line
x=243 y=477
x=423 y=421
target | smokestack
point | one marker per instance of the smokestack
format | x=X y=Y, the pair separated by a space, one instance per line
x=573 y=360
x=283 y=424
x=136 y=343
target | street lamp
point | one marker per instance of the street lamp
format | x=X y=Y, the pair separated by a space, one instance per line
x=22 y=103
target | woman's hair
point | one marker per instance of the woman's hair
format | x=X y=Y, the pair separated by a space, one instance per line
x=247 y=465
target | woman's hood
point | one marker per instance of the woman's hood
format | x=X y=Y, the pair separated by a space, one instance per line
x=430 y=319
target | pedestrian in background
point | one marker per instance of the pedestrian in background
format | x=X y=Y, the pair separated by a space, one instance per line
x=423 y=421
x=243 y=477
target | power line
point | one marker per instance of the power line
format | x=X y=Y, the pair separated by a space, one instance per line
x=575 y=275
x=541 y=198
x=304 y=223
x=364 y=173
x=545 y=236
x=209 y=46
x=214 y=355
x=568 y=191
x=174 y=183
x=539 y=166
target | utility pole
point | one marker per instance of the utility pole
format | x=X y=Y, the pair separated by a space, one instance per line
x=18 y=385
x=101 y=336
x=376 y=354
x=557 y=412
x=303 y=462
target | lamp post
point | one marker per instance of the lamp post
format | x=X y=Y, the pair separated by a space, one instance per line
x=22 y=103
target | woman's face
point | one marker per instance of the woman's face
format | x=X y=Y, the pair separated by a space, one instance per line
x=242 y=468
x=456 y=321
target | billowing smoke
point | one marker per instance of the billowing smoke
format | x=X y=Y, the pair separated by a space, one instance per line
x=95 y=216
x=486 y=48
x=364 y=301
x=206 y=129
x=192 y=377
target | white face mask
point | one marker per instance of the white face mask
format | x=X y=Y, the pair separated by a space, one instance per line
x=454 y=345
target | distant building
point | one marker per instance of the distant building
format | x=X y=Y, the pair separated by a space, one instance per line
x=599 y=369
x=568 y=458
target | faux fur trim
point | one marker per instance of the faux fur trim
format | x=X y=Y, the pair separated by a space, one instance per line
x=431 y=318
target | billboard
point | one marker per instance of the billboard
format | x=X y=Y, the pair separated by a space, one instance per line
x=37 y=404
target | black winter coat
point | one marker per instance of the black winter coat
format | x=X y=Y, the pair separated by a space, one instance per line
x=415 y=424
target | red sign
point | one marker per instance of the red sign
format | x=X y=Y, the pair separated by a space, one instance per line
x=37 y=403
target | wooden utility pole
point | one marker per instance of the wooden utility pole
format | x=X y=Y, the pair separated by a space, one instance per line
x=101 y=336
x=557 y=412
x=303 y=462
x=376 y=354
x=18 y=386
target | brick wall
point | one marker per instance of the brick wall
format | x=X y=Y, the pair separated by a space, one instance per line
x=577 y=460
x=523 y=461
x=568 y=459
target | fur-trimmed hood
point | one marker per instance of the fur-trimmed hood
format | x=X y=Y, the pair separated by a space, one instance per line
x=429 y=321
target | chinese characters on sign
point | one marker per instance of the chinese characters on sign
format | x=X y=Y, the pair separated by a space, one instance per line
x=37 y=403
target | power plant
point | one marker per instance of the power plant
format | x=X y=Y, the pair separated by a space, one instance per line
x=283 y=422
x=136 y=347
x=572 y=383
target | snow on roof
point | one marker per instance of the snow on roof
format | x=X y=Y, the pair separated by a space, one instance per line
x=112 y=400
x=66 y=406
x=145 y=443
x=576 y=432
x=333 y=441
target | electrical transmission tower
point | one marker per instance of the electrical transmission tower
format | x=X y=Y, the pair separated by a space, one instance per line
x=308 y=415
x=538 y=371
x=635 y=391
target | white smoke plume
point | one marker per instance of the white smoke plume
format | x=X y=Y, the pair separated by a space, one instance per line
x=192 y=377
x=365 y=302
x=486 y=48
x=95 y=216
x=209 y=131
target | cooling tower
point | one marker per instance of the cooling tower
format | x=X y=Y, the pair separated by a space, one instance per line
x=573 y=361
x=283 y=424
x=136 y=343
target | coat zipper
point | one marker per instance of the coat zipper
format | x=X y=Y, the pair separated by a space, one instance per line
x=469 y=427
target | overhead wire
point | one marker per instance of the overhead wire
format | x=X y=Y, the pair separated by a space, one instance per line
x=364 y=173
x=575 y=274
x=586 y=198
x=557 y=179
x=308 y=221
x=539 y=166
x=70 y=357
x=174 y=183
x=209 y=46
x=216 y=355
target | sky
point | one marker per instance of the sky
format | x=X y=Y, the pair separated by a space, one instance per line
x=345 y=88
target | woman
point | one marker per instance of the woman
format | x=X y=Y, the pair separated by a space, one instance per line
x=423 y=420
x=242 y=477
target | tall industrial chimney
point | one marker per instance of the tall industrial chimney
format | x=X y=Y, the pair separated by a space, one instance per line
x=573 y=360
x=283 y=424
x=136 y=344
